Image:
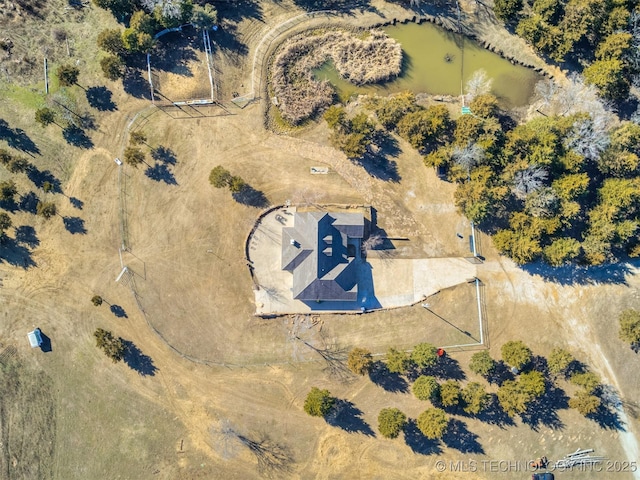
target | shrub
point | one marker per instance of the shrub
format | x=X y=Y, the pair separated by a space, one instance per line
x=390 y=422
x=46 y=209
x=516 y=354
x=630 y=326
x=360 y=361
x=450 y=393
x=481 y=363
x=475 y=398
x=318 y=402
x=67 y=75
x=426 y=388
x=397 y=361
x=585 y=403
x=559 y=361
x=433 y=423
x=587 y=380
x=133 y=156
x=113 y=348
x=112 y=67
x=220 y=177
x=424 y=355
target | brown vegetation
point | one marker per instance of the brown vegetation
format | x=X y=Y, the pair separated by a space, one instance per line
x=299 y=95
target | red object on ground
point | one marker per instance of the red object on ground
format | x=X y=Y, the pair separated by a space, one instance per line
x=441 y=352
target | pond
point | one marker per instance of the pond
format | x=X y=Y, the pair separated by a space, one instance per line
x=439 y=62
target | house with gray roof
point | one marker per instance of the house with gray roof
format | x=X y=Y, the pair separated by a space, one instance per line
x=321 y=250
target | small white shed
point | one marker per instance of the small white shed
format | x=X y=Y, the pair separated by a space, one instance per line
x=35 y=338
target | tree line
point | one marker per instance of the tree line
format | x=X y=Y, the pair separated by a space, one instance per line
x=562 y=187
x=601 y=35
x=143 y=19
x=522 y=379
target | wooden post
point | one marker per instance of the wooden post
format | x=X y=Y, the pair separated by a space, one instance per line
x=46 y=78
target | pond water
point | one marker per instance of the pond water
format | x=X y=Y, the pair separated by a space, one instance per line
x=433 y=63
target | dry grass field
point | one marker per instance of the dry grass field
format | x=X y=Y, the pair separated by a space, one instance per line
x=234 y=408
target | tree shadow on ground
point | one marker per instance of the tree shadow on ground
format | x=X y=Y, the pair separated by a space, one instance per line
x=135 y=84
x=348 y=417
x=236 y=12
x=15 y=254
x=251 y=197
x=500 y=373
x=226 y=40
x=45 y=346
x=118 y=311
x=74 y=225
x=343 y=6
x=607 y=415
x=100 y=98
x=446 y=368
x=582 y=275
x=77 y=137
x=29 y=202
x=493 y=414
x=9 y=205
x=76 y=202
x=17 y=138
x=540 y=364
x=417 y=442
x=39 y=177
x=544 y=410
x=138 y=361
x=391 y=382
x=459 y=437
x=176 y=51
x=378 y=160
x=26 y=235
x=164 y=154
x=159 y=172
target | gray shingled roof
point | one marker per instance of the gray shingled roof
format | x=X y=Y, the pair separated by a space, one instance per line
x=315 y=251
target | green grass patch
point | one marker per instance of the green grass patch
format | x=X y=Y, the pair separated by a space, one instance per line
x=30 y=97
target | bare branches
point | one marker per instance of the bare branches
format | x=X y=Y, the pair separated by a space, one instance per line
x=478 y=84
x=528 y=181
x=274 y=459
x=467 y=157
x=589 y=137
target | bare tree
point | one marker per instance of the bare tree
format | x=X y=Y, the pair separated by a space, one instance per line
x=589 y=137
x=528 y=180
x=478 y=84
x=335 y=358
x=468 y=157
x=372 y=242
x=546 y=90
x=274 y=459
